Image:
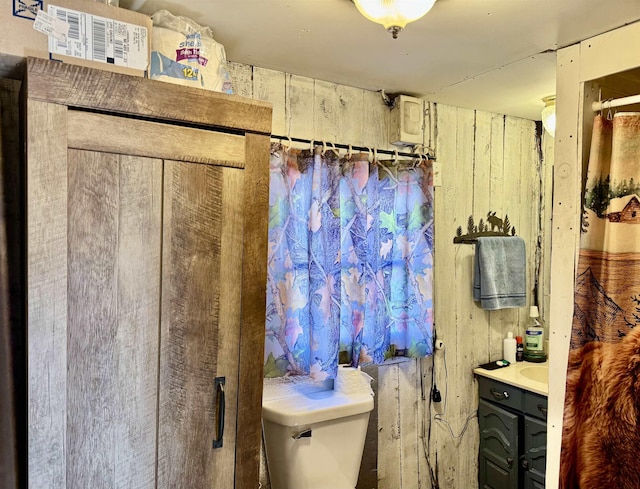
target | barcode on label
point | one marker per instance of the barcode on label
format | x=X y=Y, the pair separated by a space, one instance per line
x=62 y=15
x=99 y=39
x=74 y=25
x=72 y=19
x=118 y=49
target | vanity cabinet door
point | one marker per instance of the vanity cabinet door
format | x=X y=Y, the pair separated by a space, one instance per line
x=535 y=452
x=498 y=463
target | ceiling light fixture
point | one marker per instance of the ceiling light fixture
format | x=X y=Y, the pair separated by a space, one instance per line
x=394 y=15
x=549 y=114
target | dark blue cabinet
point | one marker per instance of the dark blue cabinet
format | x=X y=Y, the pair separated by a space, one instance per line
x=535 y=452
x=499 y=440
x=513 y=437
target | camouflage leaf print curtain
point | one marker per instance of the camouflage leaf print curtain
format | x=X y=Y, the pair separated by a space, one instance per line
x=601 y=429
x=350 y=263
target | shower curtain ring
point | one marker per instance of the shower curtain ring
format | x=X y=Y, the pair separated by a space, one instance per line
x=349 y=152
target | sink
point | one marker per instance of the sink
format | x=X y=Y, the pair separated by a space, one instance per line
x=537 y=373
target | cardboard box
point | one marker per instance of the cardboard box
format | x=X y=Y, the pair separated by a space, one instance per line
x=18 y=38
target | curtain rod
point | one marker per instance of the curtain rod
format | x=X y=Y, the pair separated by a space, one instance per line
x=354 y=148
x=617 y=102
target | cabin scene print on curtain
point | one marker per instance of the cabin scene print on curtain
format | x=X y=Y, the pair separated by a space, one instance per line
x=601 y=439
x=350 y=262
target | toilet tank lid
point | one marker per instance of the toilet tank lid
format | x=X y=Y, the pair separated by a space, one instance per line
x=316 y=407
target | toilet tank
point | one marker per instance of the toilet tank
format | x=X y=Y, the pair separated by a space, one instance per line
x=315 y=440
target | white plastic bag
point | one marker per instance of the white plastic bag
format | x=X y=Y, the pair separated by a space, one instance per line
x=185 y=53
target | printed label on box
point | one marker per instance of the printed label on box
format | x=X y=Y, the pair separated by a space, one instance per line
x=100 y=39
x=51 y=26
x=27 y=9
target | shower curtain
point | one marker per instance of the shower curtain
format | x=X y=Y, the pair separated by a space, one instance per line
x=601 y=429
x=350 y=261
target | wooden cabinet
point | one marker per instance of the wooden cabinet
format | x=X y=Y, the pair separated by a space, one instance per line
x=513 y=437
x=146 y=269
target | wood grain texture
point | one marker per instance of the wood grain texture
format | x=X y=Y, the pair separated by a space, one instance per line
x=505 y=201
x=409 y=394
x=12 y=347
x=299 y=106
x=269 y=86
x=445 y=307
x=254 y=278
x=153 y=139
x=325 y=117
x=76 y=86
x=350 y=100
x=229 y=328
x=113 y=293
x=137 y=336
x=241 y=78
x=368 y=476
x=470 y=341
x=47 y=293
x=497 y=189
x=190 y=318
x=426 y=452
x=92 y=318
x=482 y=205
x=389 y=435
x=375 y=121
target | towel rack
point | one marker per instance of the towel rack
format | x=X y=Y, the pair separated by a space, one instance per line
x=494 y=226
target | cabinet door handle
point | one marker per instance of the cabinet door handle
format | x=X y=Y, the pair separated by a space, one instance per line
x=509 y=462
x=524 y=463
x=220 y=408
x=499 y=395
x=542 y=409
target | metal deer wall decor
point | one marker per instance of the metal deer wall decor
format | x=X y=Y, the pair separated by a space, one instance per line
x=493 y=226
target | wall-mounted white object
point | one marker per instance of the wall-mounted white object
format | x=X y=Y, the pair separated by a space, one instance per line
x=406 y=124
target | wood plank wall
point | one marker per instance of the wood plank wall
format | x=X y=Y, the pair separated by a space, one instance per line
x=489 y=162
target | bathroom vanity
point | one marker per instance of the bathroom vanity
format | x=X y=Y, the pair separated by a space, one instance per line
x=512 y=415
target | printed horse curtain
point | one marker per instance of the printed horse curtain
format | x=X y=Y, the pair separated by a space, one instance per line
x=601 y=430
x=350 y=263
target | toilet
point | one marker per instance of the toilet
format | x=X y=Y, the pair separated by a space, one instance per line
x=315 y=440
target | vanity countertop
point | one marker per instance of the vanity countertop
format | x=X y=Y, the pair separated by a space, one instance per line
x=516 y=375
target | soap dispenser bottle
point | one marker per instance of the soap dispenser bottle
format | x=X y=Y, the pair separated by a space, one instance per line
x=509 y=348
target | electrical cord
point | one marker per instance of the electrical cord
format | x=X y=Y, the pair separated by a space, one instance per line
x=436 y=395
x=426 y=437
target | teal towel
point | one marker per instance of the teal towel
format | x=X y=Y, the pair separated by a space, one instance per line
x=500 y=276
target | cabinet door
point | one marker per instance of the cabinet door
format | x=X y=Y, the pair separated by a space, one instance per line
x=94 y=230
x=535 y=452
x=201 y=293
x=138 y=263
x=498 y=464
